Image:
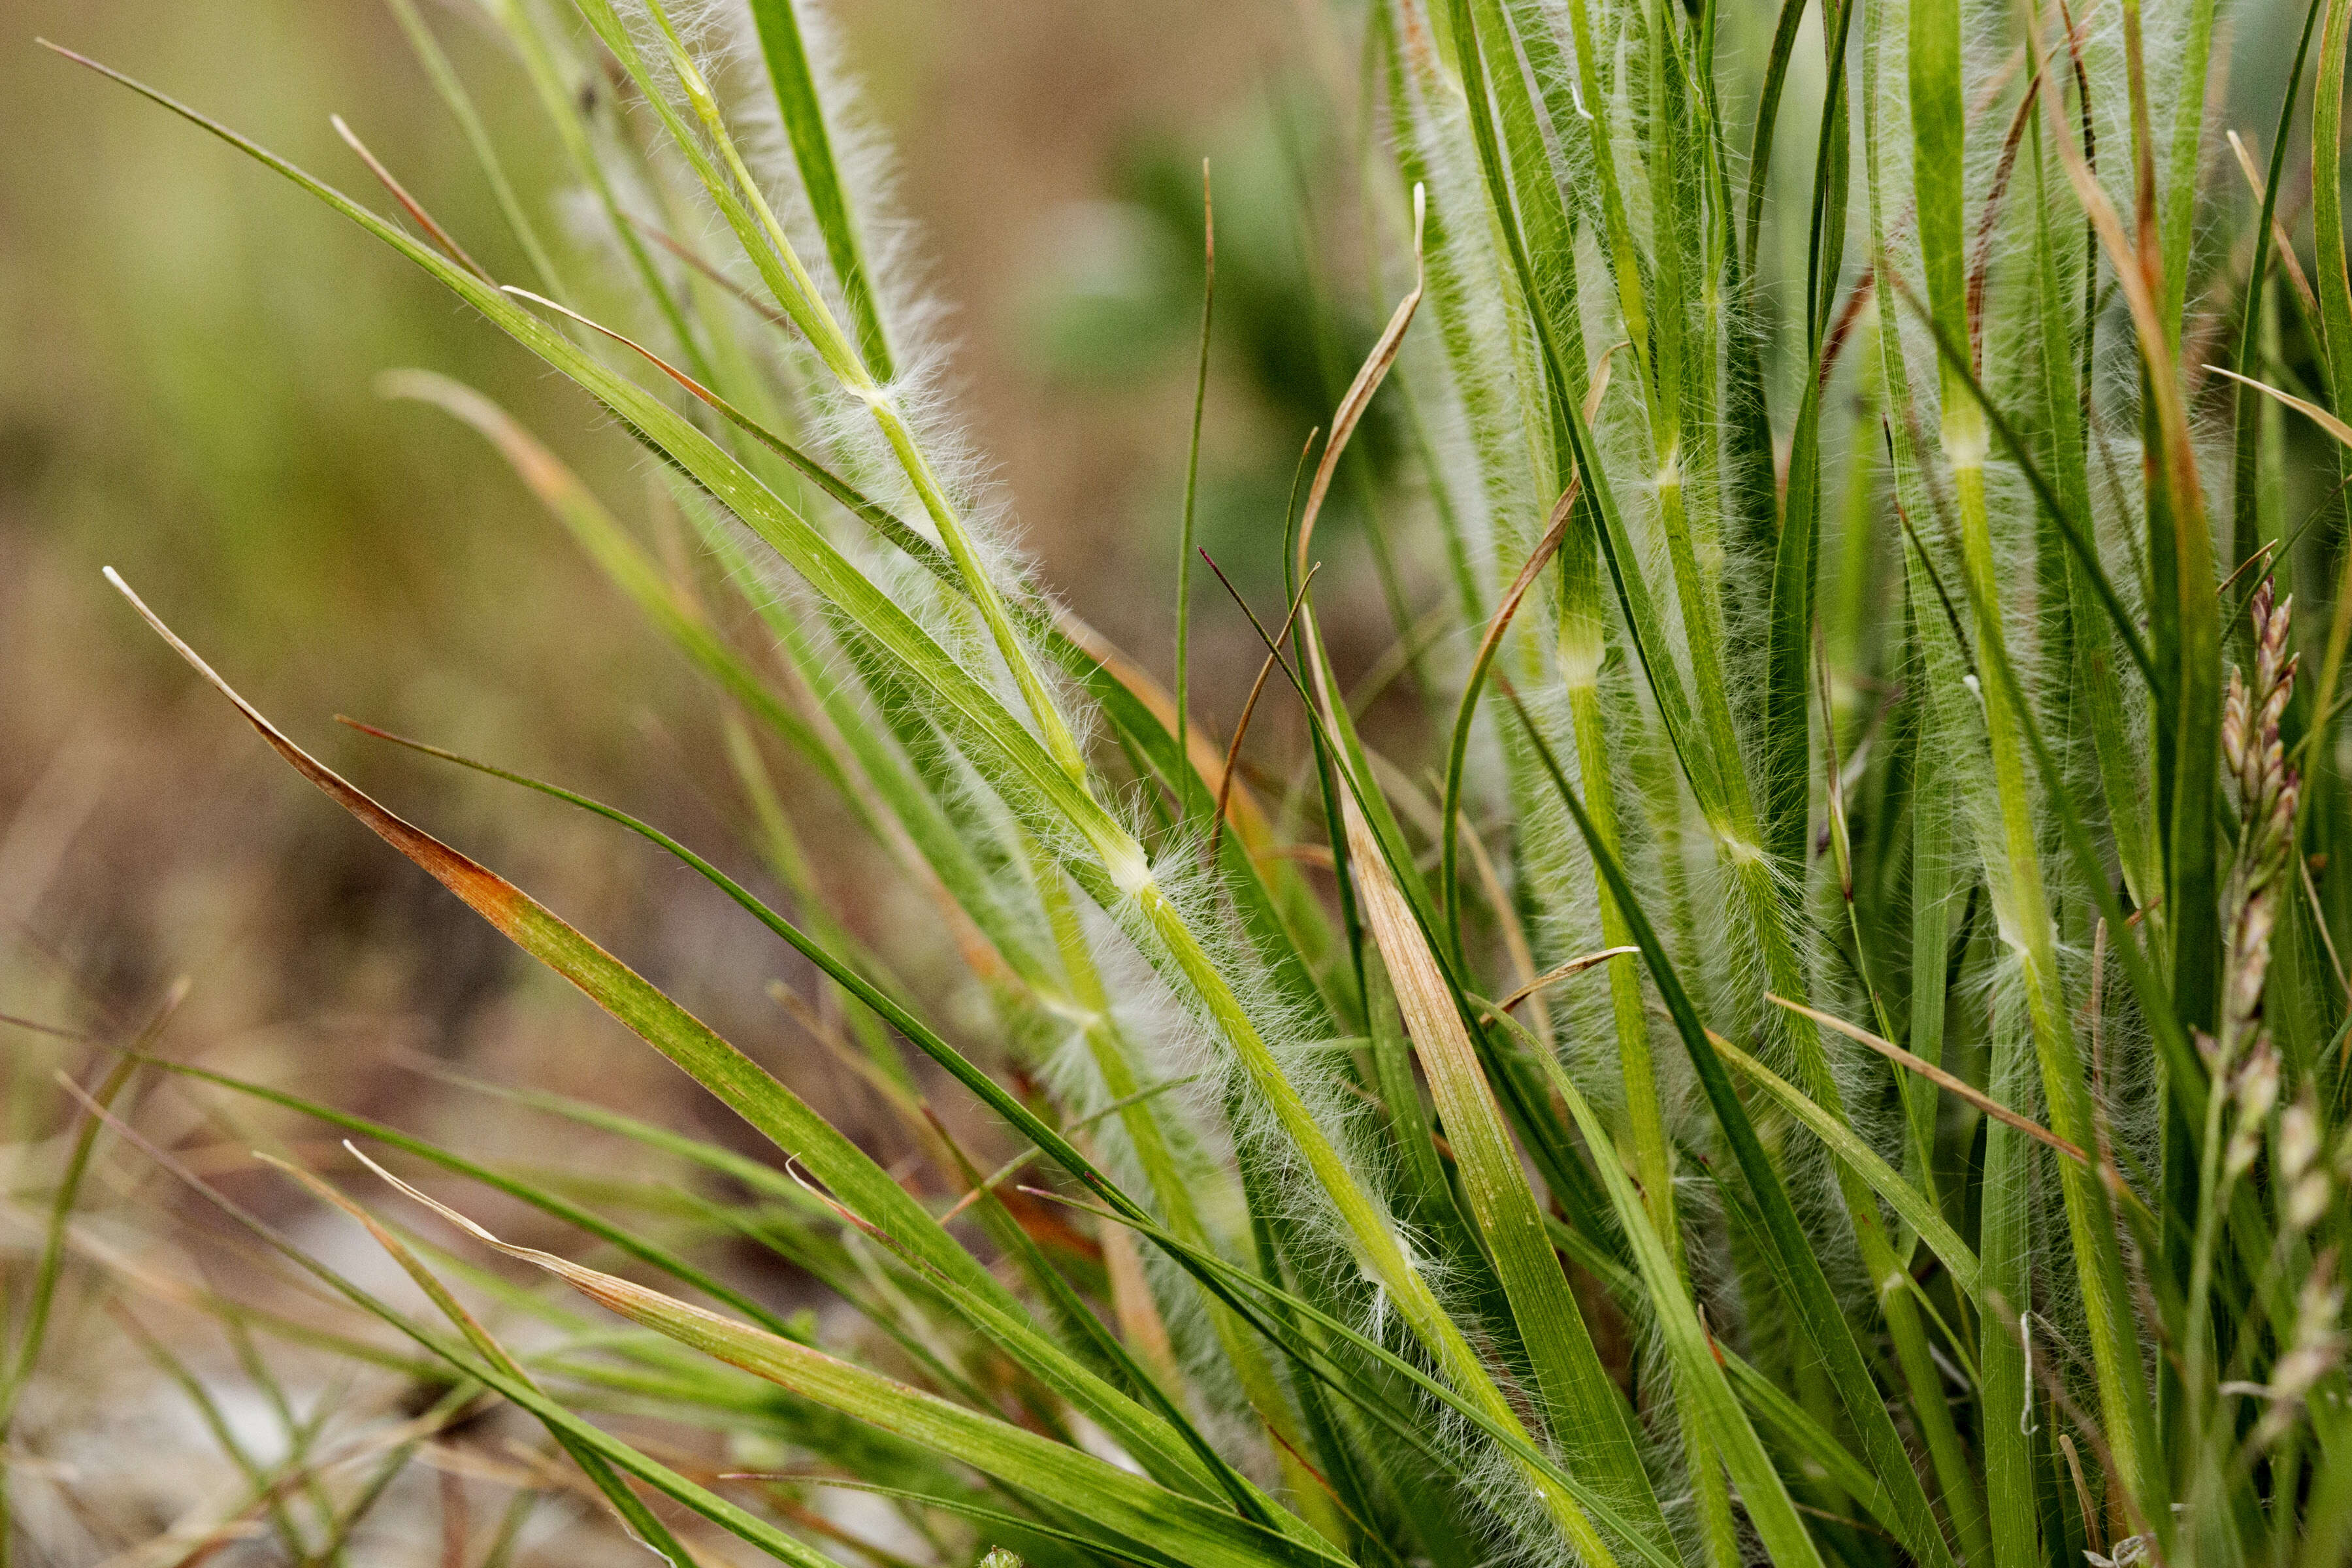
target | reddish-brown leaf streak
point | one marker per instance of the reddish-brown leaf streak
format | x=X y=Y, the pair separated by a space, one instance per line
x=491 y=895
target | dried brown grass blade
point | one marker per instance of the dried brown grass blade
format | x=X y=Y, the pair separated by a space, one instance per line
x=414 y=209
x=1552 y=976
x=1936 y=1076
x=1368 y=381
x=2311 y=411
x=1225 y=774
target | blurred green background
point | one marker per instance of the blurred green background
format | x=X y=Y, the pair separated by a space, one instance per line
x=188 y=349
x=188 y=352
x=190 y=346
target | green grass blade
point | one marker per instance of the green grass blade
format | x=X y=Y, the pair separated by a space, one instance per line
x=1369 y=829
x=632 y=569
x=830 y=1266
x=1587 y=1414
x=2327 y=785
x=883 y=1005
x=1117 y=874
x=1239 y=1286
x=1809 y=1442
x=1594 y=106
x=2179 y=196
x=2092 y=1225
x=1457 y=749
x=49 y=1266
x=976 y=717
x=1768 y=114
x=32 y=1329
x=1786 y=717
x=536 y=1194
x=1787 y=1541
x=1819 y=1316
x=1535 y=189
x=2088 y=590
x=2084 y=554
x=1100 y=1401
x=1130 y=1427
x=452 y=91
x=1164 y=1525
x=740 y=200
x=2246 y=484
x=551 y=78
x=1904 y=1199
x=803 y=115
x=641 y=1521
x=2011 y=848
x=266 y=1491
x=1647 y=628
x=577 y=1436
x=1023 y=1531
x=726 y=1072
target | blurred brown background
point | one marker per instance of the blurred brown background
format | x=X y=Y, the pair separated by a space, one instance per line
x=188 y=348
x=190 y=345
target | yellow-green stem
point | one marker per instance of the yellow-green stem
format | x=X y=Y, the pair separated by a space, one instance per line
x=2021 y=913
x=1377 y=1247
x=1106 y=1043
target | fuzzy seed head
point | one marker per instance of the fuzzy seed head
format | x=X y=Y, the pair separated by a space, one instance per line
x=2258 y=1082
x=2269 y=793
x=2318 y=1339
x=2298 y=1143
x=2306 y=1201
x=2256 y=1091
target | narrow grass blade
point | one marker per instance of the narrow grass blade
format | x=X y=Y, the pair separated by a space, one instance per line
x=2311 y=411
x=1949 y=1083
x=883 y=1005
x=1458 y=749
x=1158 y=1523
x=2085 y=550
x=460 y=104
x=1783 y=729
x=804 y=114
x=577 y=1435
x=1768 y=106
x=1588 y=1416
x=33 y=1328
x=607 y=542
x=536 y=1194
x=1770 y=1509
x=719 y=1066
x=2245 y=474
x=641 y=1521
x=1054 y=1367
x=1858 y=1156
x=1239 y=1287
x=1814 y=1305
x=977 y=718
x=740 y=200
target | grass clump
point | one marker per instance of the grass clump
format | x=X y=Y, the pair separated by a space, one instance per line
x=1887 y=693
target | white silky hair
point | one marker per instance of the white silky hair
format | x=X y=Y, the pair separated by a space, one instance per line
x=1484 y=462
